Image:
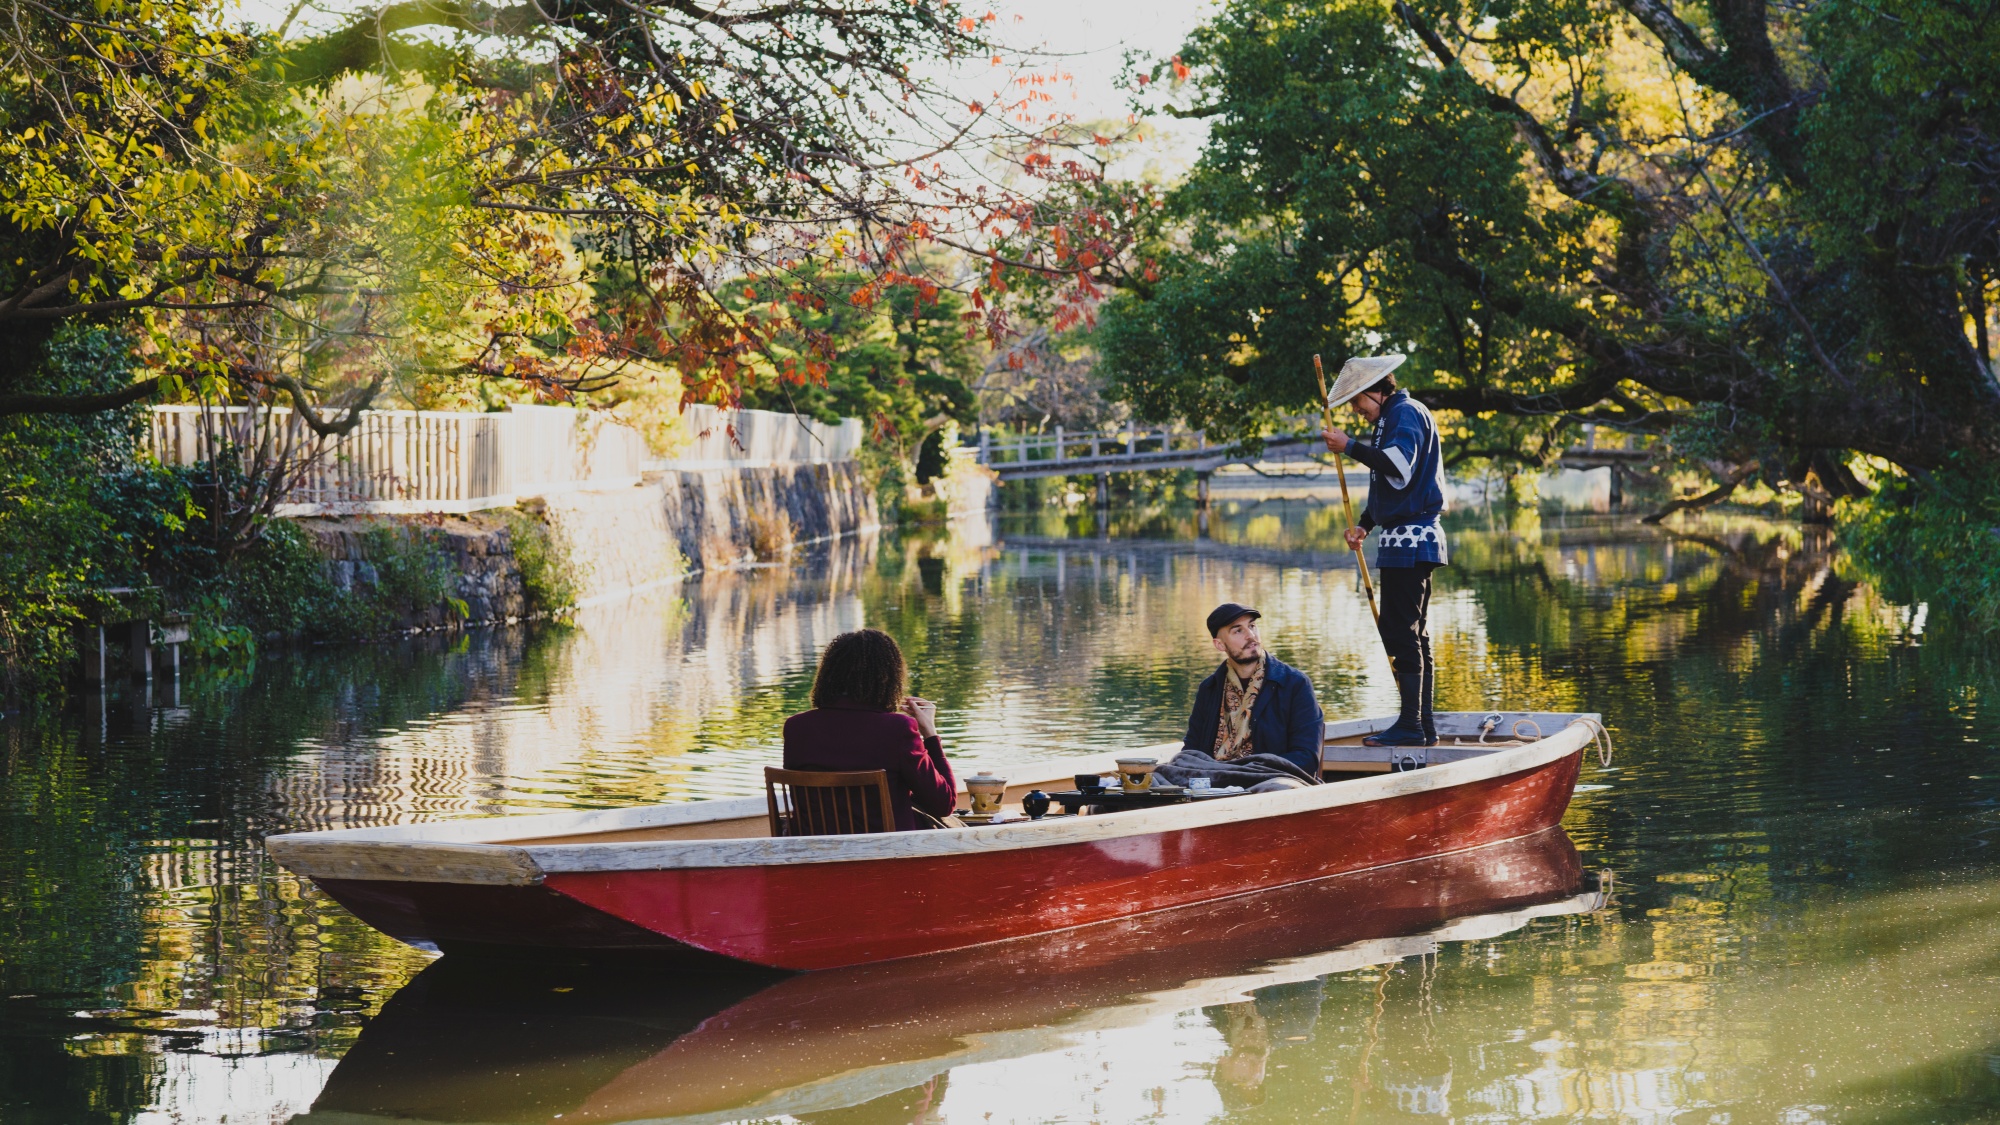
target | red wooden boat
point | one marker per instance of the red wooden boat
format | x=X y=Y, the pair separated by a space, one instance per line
x=703 y=883
x=542 y=1042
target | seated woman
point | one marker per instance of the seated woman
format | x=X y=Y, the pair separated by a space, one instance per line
x=861 y=720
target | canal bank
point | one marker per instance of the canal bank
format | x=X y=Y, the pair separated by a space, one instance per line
x=554 y=553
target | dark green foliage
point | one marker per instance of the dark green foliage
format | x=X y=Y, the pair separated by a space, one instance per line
x=1786 y=268
x=278 y=582
x=278 y=585
x=1934 y=539
x=63 y=530
x=413 y=575
x=81 y=513
x=931 y=457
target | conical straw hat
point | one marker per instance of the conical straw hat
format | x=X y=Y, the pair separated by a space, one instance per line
x=1359 y=374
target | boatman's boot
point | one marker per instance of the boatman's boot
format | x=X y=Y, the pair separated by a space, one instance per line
x=1409 y=728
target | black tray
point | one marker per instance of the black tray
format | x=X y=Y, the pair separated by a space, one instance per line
x=1115 y=800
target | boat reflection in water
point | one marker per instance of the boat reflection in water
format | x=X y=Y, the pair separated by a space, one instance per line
x=468 y=1041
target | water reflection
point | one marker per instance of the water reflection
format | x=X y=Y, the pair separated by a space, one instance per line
x=1799 y=816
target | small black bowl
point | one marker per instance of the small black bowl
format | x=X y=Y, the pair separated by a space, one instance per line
x=1089 y=782
x=1035 y=804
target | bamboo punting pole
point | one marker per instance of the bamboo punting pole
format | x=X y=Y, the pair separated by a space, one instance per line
x=1347 y=502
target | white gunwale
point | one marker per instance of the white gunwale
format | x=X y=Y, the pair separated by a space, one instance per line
x=464 y=851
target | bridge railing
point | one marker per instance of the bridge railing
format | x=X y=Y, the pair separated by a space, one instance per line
x=1060 y=445
x=1109 y=450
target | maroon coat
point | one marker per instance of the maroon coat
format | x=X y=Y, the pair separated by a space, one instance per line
x=857 y=738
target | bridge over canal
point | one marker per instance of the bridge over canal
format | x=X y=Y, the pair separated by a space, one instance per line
x=1130 y=450
x=1133 y=450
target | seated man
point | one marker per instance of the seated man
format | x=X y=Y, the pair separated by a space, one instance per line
x=1254 y=709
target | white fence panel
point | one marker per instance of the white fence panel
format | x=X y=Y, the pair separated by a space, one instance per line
x=440 y=461
x=416 y=461
x=747 y=438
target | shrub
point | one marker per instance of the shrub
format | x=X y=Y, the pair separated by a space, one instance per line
x=920 y=510
x=279 y=584
x=770 y=535
x=59 y=540
x=413 y=574
x=547 y=573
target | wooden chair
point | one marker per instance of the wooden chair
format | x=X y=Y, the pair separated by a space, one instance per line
x=808 y=803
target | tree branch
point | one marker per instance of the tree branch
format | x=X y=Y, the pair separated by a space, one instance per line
x=1713 y=496
x=302 y=401
x=78 y=404
x=1478 y=400
x=1682 y=44
x=1749 y=71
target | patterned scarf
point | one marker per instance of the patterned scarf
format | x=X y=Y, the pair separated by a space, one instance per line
x=1232 y=734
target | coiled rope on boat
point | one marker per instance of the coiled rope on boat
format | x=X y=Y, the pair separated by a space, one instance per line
x=1600 y=735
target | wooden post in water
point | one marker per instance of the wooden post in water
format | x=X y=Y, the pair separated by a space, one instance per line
x=139 y=648
x=91 y=646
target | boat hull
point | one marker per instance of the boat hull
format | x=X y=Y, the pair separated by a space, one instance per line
x=821 y=915
x=531 y=1043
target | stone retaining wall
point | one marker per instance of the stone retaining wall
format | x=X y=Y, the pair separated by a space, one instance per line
x=672 y=524
x=726 y=517
x=480 y=546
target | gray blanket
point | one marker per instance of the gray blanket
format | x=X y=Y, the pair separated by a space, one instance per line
x=1245 y=771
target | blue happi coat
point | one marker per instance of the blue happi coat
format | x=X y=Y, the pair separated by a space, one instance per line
x=1405 y=484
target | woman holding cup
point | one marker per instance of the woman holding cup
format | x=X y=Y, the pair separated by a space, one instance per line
x=861 y=719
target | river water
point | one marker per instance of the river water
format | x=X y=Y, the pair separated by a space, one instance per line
x=1777 y=906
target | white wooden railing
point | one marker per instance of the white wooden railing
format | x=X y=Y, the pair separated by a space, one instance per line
x=1127 y=449
x=439 y=461
x=1087 y=445
x=742 y=438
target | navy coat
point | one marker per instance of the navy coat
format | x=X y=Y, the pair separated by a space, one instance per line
x=1285 y=720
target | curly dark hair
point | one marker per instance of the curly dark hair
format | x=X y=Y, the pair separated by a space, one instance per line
x=861 y=669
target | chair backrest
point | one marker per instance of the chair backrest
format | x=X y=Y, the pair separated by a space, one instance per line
x=810 y=803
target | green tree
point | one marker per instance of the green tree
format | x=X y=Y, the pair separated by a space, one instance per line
x=77 y=512
x=425 y=193
x=1770 y=232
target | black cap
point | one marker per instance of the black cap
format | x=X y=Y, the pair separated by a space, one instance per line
x=1227 y=612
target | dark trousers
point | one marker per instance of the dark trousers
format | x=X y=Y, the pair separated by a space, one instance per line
x=1406 y=615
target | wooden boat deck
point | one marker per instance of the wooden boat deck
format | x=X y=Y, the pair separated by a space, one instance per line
x=1342 y=758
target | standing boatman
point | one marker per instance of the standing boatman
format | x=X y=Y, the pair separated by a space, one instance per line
x=1405 y=498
